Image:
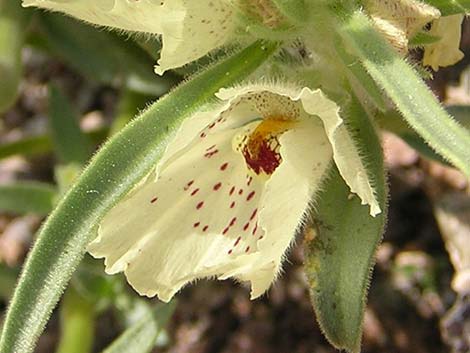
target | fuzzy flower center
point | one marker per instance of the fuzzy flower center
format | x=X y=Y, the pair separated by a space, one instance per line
x=261 y=147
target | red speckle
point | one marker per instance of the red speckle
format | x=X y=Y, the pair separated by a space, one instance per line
x=264 y=160
x=199 y=205
x=205 y=228
x=240 y=191
x=237 y=241
x=250 y=196
x=217 y=186
x=202 y=135
x=232 y=205
x=232 y=222
x=232 y=190
x=194 y=192
x=250 y=179
x=195 y=225
x=255 y=229
x=253 y=215
x=154 y=200
x=211 y=125
x=224 y=166
x=261 y=237
x=188 y=185
x=245 y=227
x=247 y=249
x=225 y=231
x=210 y=154
x=230 y=251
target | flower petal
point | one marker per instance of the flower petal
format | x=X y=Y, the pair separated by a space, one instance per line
x=345 y=152
x=446 y=51
x=190 y=29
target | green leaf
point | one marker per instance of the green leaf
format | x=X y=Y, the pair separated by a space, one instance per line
x=112 y=173
x=103 y=56
x=37 y=145
x=24 y=197
x=423 y=38
x=77 y=323
x=141 y=337
x=450 y=7
x=71 y=144
x=296 y=10
x=413 y=99
x=340 y=257
x=13 y=20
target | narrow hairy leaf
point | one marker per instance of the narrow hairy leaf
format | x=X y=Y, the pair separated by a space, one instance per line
x=121 y=163
x=102 y=55
x=413 y=99
x=37 y=145
x=71 y=144
x=24 y=197
x=340 y=256
x=13 y=20
x=141 y=337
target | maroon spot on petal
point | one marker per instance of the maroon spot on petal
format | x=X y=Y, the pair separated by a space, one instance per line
x=195 y=225
x=225 y=231
x=247 y=249
x=240 y=191
x=245 y=227
x=253 y=215
x=250 y=196
x=188 y=185
x=230 y=251
x=199 y=205
x=224 y=166
x=250 y=179
x=205 y=228
x=232 y=190
x=232 y=222
x=210 y=153
x=217 y=186
x=202 y=135
x=154 y=200
x=209 y=148
x=194 y=192
x=237 y=241
x=211 y=125
x=261 y=237
x=232 y=205
x=255 y=229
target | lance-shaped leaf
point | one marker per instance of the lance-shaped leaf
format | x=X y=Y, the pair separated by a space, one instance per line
x=41 y=144
x=340 y=256
x=13 y=20
x=111 y=174
x=71 y=144
x=141 y=337
x=413 y=99
x=23 y=197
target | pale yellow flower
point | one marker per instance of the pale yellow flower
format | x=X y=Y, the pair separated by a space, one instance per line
x=230 y=191
x=190 y=28
x=446 y=51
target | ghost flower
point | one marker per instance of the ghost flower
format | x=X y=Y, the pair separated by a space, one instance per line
x=446 y=51
x=230 y=191
x=189 y=28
